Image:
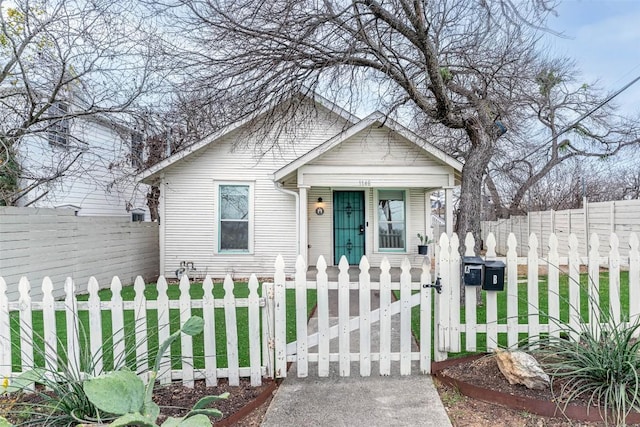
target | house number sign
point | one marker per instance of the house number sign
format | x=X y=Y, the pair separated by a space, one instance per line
x=364 y=183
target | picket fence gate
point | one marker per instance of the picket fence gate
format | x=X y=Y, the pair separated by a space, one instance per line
x=268 y=350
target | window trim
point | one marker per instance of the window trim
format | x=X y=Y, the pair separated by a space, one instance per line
x=250 y=247
x=376 y=235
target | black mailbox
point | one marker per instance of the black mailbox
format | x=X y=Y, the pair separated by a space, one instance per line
x=472 y=269
x=493 y=276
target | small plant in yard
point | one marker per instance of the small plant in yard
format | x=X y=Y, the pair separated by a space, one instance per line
x=123 y=393
x=602 y=370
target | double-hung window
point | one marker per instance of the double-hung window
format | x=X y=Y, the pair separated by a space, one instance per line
x=391 y=220
x=234 y=217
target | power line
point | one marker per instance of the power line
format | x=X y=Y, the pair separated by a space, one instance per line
x=597 y=107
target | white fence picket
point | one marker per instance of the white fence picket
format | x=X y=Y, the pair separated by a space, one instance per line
x=533 y=312
x=232 y=332
x=186 y=341
x=454 y=292
x=553 y=287
x=441 y=306
x=164 y=373
x=575 y=318
x=594 y=285
x=268 y=329
x=26 y=326
x=49 y=327
x=385 y=317
x=95 y=325
x=280 y=319
x=425 y=317
x=405 y=318
x=512 y=292
x=322 y=297
x=5 y=332
x=209 y=317
x=470 y=301
x=634 y=282
x=73 y=329
x=614 y=279
x=117 y=323
x=254 y=331
x=344 y=342
x=492 y=301
x=365 y=323
x=301 y=318
x=140 y=326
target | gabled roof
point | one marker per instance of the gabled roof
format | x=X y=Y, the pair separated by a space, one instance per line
x=148 y=174
x=368 y=121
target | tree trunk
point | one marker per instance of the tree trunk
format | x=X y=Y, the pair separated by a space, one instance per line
x=470 y=192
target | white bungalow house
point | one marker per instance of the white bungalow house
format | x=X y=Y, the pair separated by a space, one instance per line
x=336 y=186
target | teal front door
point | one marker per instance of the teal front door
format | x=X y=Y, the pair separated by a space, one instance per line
x=348 y=226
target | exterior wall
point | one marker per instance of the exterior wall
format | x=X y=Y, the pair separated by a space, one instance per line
x=37 y=242
x=376 y=146
x=189 y=216
x=101 y=182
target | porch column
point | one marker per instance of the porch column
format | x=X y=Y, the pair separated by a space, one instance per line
x=428 y=226
x=303 y=221
x=448 y=213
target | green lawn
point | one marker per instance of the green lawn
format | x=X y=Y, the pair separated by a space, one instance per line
x=196 y=291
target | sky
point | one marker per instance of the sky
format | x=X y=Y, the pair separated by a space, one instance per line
x=603 y=36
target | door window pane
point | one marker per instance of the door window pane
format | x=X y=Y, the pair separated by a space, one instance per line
x=391 y=220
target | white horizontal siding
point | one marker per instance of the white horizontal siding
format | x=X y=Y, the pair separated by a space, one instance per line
x=100 y=182
x=190 y=217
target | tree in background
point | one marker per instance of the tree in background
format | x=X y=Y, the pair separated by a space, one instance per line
x=62 y=60
x=547 y=136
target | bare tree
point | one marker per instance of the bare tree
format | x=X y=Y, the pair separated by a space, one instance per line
x=456 y=63
x=61 y=60
x=564 y=119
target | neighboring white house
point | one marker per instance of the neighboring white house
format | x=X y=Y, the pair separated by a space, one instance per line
x=334 y=186
x=100 y=180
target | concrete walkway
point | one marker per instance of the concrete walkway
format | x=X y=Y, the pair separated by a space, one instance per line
x=357 y=401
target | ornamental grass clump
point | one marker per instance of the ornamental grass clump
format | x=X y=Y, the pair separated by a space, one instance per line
x=601 y=369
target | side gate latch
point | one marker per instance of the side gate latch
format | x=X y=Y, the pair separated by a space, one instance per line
x=437 y=286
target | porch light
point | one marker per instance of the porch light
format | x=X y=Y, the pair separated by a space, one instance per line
x=319 y=208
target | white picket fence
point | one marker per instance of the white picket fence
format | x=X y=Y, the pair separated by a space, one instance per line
x=269 y=351
x=78 y=335
x=450 y=327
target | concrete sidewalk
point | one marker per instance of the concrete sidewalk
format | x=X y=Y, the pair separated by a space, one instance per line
x=357 y=401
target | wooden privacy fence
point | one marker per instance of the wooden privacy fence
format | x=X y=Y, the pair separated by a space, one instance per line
x=601 y=218
x=523 y=313
x=76 y=328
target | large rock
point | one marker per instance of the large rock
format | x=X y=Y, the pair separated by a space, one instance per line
x=519 y=367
